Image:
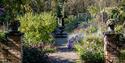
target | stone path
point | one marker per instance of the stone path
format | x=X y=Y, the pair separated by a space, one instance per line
x=64 y=55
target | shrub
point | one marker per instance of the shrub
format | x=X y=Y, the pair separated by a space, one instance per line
x=37 y=27
x=119 y=28
x=2 y=36
x=92 y=57
x=90 y=50
x=92 y=29
x=71 y=23
x=122 y=56
x=93 y=10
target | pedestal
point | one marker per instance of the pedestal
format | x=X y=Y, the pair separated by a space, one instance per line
x=111 y=49
x=60 y=38
x=15 y=47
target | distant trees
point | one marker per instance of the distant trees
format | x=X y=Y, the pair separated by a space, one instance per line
x=72 y=7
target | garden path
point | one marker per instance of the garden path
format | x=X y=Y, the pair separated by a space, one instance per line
x=64 y=55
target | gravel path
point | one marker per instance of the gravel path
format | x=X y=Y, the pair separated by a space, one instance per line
x=64 y=55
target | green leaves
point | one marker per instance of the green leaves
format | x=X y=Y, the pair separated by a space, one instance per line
x=90 y=50
x=37 y=27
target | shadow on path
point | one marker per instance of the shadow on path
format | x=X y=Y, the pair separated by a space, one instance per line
x=63 y=55
x=58 y=60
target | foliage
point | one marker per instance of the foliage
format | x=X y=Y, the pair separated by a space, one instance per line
x=119 y=28
x=36 y=5
x=122 y=16
x=90 y=50
x=93 y=10
x=50 y=50
x=122 y=56
x=114 y=13
x=92 y=29
x=10 y=9
x=118 y=14
x=71 y=23
x=34 y=55
x=37 y=27
x=2 y=35
x=92 y=57
x=72 y=7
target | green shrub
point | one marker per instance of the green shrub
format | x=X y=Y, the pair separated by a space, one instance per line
x=92 y=57
x=122 y=56
x=50 y=50
x=92 y=29
x=93 y=10
x=90 y=50
x=37 y=27
x=121 y=17
x=71 y=22
x=2 y=36
x=119 y=28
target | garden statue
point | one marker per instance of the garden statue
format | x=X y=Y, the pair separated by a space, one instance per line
x=59 y=34
x=59 y=31
x=111 y=25
x=14 y=25
x=60 y=14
